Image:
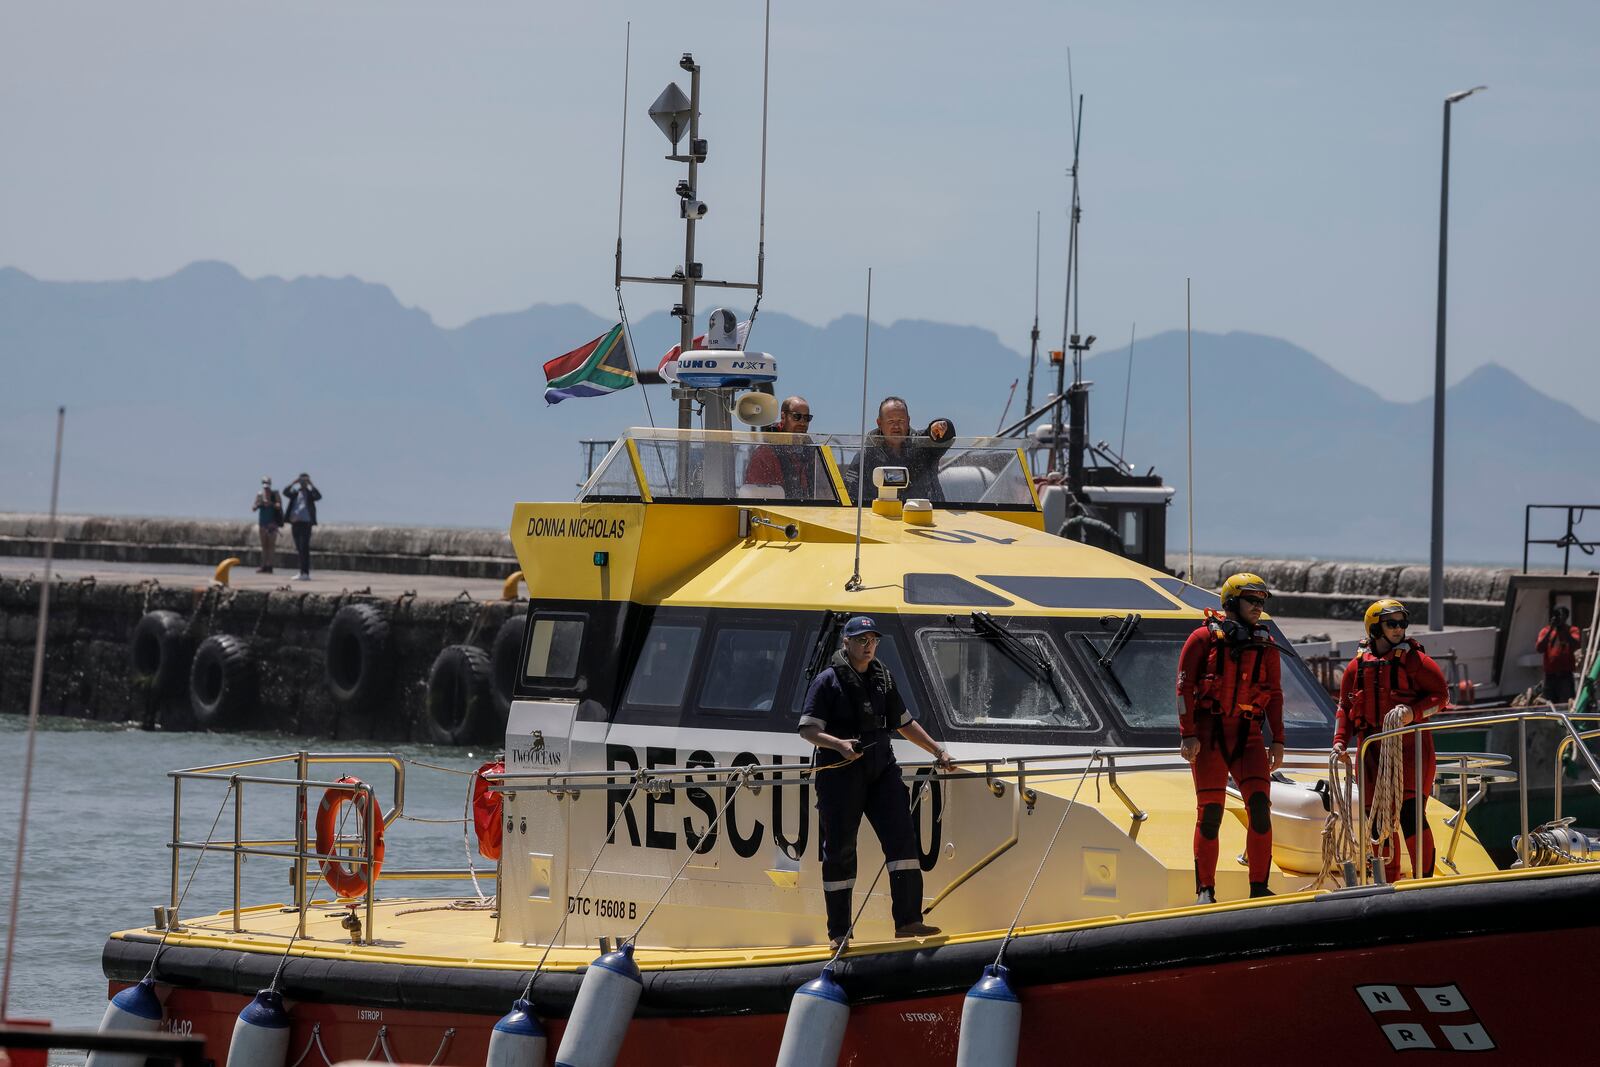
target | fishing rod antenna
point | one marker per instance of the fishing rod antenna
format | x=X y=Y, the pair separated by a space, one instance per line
x=854 y=584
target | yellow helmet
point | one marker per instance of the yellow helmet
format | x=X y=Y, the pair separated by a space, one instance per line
x=1243 y=582
x=1380 y=608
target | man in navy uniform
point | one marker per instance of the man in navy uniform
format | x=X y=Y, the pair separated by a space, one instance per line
x=852 y=710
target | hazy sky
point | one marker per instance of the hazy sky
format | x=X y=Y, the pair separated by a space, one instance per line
x=466 y=155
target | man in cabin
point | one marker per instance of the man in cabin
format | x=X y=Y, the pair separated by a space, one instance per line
x=852 y=710
x=1391 y=672
x=791 y=464
x=1228 y=682
x=1558 y=643
x=894 y=445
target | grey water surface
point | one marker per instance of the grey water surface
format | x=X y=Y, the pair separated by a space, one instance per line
x=100 y=818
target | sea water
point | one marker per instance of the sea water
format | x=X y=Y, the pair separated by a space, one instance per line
x=100 y=818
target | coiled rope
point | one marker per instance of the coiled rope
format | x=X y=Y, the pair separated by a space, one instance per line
x=1339 y=843
x=1389 y=790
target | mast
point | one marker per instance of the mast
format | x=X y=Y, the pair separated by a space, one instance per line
x=1033 y=350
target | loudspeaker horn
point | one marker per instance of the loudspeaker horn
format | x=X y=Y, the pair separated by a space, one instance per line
x=756 y=409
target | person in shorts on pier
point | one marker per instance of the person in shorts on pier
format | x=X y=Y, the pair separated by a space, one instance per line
x=1558 y=643
x=1228 y=683
x=852 y=710
x=1389 y=672
x=269 y=520
x=302 y=499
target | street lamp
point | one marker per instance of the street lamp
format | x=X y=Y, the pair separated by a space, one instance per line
x=1436 y=553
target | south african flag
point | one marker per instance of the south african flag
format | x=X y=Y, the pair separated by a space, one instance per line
x=602 y=366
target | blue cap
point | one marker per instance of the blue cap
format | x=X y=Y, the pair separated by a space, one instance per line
x=861 y=624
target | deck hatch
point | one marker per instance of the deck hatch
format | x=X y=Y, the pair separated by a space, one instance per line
x=927 y=588
x=1099 y=594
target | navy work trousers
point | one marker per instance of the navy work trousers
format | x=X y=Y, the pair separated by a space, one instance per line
x=870 y=786
x=302 y=544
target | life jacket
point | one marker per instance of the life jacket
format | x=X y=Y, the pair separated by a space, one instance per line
x=859 y=696
x=1382 y=682
x=1232 y=680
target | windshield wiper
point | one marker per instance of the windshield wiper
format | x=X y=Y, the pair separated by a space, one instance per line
x=1124 y=634
x=1027 y=658
x=827 y=638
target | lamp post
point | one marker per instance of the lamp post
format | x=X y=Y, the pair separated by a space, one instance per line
x=1436 y=551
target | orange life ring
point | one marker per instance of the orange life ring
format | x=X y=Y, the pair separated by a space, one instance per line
x=486 y=808
x=347 y=881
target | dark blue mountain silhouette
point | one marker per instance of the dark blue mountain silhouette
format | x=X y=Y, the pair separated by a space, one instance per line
x=182 y=391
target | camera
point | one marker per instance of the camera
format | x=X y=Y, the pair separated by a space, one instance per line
x=684 y=189
x=692 y=209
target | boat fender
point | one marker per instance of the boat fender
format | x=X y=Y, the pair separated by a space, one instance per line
x=487 y=806
x=358 y=656
x=460 y=708
x=136 y=1009
x=506 y=658
x=159 y=651
x=222 y=682
x=347 y=881
x=991 y=1022
x=814 y=1031
x=602 y=1010
x=261 y=1033
x=517 y=1039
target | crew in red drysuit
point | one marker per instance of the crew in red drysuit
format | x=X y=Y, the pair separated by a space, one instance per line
x=1228 y=681
x=1558 y=643
x=1391 y=671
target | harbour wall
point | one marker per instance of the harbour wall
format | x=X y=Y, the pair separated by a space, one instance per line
x=436 y=550
x=90 y=668
x=284 y=633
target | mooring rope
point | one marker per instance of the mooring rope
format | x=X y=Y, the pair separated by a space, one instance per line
x=527 y=991
x=736 y=782
x=1339 y=844
x=1012 y=929
x=210 y=835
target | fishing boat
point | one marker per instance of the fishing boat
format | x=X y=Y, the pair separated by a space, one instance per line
x=657 y=887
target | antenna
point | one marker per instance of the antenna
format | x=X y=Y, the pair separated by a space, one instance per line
x=1033 y=350
x=33 y=718
x=761 y=225
x=622 y=177
x=854 y=584
x=1188 y=329
x=1127 y=391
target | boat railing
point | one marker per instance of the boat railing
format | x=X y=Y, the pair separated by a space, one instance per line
x=1572 y=738
x=355 y=850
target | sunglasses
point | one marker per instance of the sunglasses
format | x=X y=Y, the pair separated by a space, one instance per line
x=1398 y=624
x=1257 y=601
x=799 y=417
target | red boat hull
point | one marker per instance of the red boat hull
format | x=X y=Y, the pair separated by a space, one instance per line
x=1471 y=993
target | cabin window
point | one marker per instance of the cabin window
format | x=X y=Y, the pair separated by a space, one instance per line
x=1191 y=595
x=1132 y=532
x=553 y=649
x=664 y=665
x=984 y=685
x=1102 y=594
x=744 y=670
x=949 y=589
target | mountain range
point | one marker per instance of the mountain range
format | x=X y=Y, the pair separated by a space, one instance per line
x=183 y=391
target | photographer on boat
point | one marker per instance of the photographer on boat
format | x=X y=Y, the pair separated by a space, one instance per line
x=1558 y=644
x=851 y=711
x=1390 y=672
x=1228 y=681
